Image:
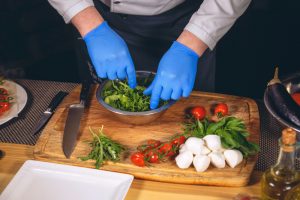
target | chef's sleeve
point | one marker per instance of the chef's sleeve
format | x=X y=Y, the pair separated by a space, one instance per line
x=69 y=8
x=214 y=18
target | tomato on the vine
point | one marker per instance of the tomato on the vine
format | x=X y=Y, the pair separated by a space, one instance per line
x=296 y=97
x=153 y=143
x=3 y=91
x=138 y=159
x=4 y=106
x=198 y=112
x=165 y=148
x=171 y=153
x=221 y=110
x=3 y=97
x=152 y=157
x=178 y=140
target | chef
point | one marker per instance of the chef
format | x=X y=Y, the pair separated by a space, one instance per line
x=175 y=38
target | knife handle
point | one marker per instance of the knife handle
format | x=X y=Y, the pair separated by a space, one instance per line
x=56 y=100
x=85 y=89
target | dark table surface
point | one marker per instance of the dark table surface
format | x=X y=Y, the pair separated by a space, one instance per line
x=19 y=130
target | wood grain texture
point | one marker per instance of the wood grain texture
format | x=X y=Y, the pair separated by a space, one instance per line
x=16 y=155
x=49 y=145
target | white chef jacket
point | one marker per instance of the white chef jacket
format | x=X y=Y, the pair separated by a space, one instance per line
x=211 y=21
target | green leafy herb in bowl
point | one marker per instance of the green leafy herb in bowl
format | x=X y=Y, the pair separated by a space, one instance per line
x=122 y=97
x=130 y=105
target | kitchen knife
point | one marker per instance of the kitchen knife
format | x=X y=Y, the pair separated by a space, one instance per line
x=49 y=111
x=73 y=120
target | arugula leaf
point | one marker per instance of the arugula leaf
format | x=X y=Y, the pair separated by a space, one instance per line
x=122 y=97
x=103 y=149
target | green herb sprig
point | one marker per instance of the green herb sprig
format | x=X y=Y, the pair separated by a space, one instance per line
x=232 y=131
x=103 y=149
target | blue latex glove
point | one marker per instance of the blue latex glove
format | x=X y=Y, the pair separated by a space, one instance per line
x=109 y=54
x=175 y=76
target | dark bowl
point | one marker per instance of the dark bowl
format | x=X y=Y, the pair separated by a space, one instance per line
x=292 y=84
x=136 y=118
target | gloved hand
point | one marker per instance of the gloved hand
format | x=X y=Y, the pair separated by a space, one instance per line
x=175 y=76
x=109 y=54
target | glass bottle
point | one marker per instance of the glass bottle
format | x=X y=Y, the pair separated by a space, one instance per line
x=293 y=194
x=281 y=177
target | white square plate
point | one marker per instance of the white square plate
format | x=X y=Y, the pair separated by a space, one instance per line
x=48 y=181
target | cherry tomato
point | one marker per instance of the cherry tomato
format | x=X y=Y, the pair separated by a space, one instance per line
x=178 y=141
x=153 y=143
x=296 y=97
x=4 y=106
x=221 y=110
x=198 y=112
x=165 y=148
x=138 y=159
x=152 y=157
x=3 y=97
x=3 y=91
x=171 y=153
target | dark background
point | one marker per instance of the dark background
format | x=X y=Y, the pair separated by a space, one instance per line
x=35 y=43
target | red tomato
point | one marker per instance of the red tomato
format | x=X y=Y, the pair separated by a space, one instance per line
x=171 y=153
x=4 y=106
x=138 y=159
x=178 y=141
x=221 y=110
x=3 y=91
x=3 y=97
x=166 y=148
x=152 y=157
x=198 y=112
x=153 y=143
x=296 y=97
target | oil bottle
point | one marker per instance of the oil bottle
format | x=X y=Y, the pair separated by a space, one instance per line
x=293 y=194
x=281 y=177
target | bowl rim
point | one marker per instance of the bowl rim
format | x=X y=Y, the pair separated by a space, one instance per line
x=128 y=113
x=269 y=107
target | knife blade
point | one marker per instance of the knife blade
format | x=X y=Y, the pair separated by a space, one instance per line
x=49 y=111
x=72 y=125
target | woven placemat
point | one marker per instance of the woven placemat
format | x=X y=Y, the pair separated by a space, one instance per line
x=270 y=132
x=40 y=93
x=19 y=130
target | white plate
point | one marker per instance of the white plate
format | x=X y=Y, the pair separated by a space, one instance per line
x=21 y=102
x=48 y=181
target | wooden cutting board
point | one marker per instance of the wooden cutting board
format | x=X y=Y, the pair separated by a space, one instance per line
x=49 y=145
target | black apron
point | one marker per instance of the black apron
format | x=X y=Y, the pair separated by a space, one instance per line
x=149 y=37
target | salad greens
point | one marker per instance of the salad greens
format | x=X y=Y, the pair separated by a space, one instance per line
x=232 y=131
x=121 y=96
x=103 y=149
